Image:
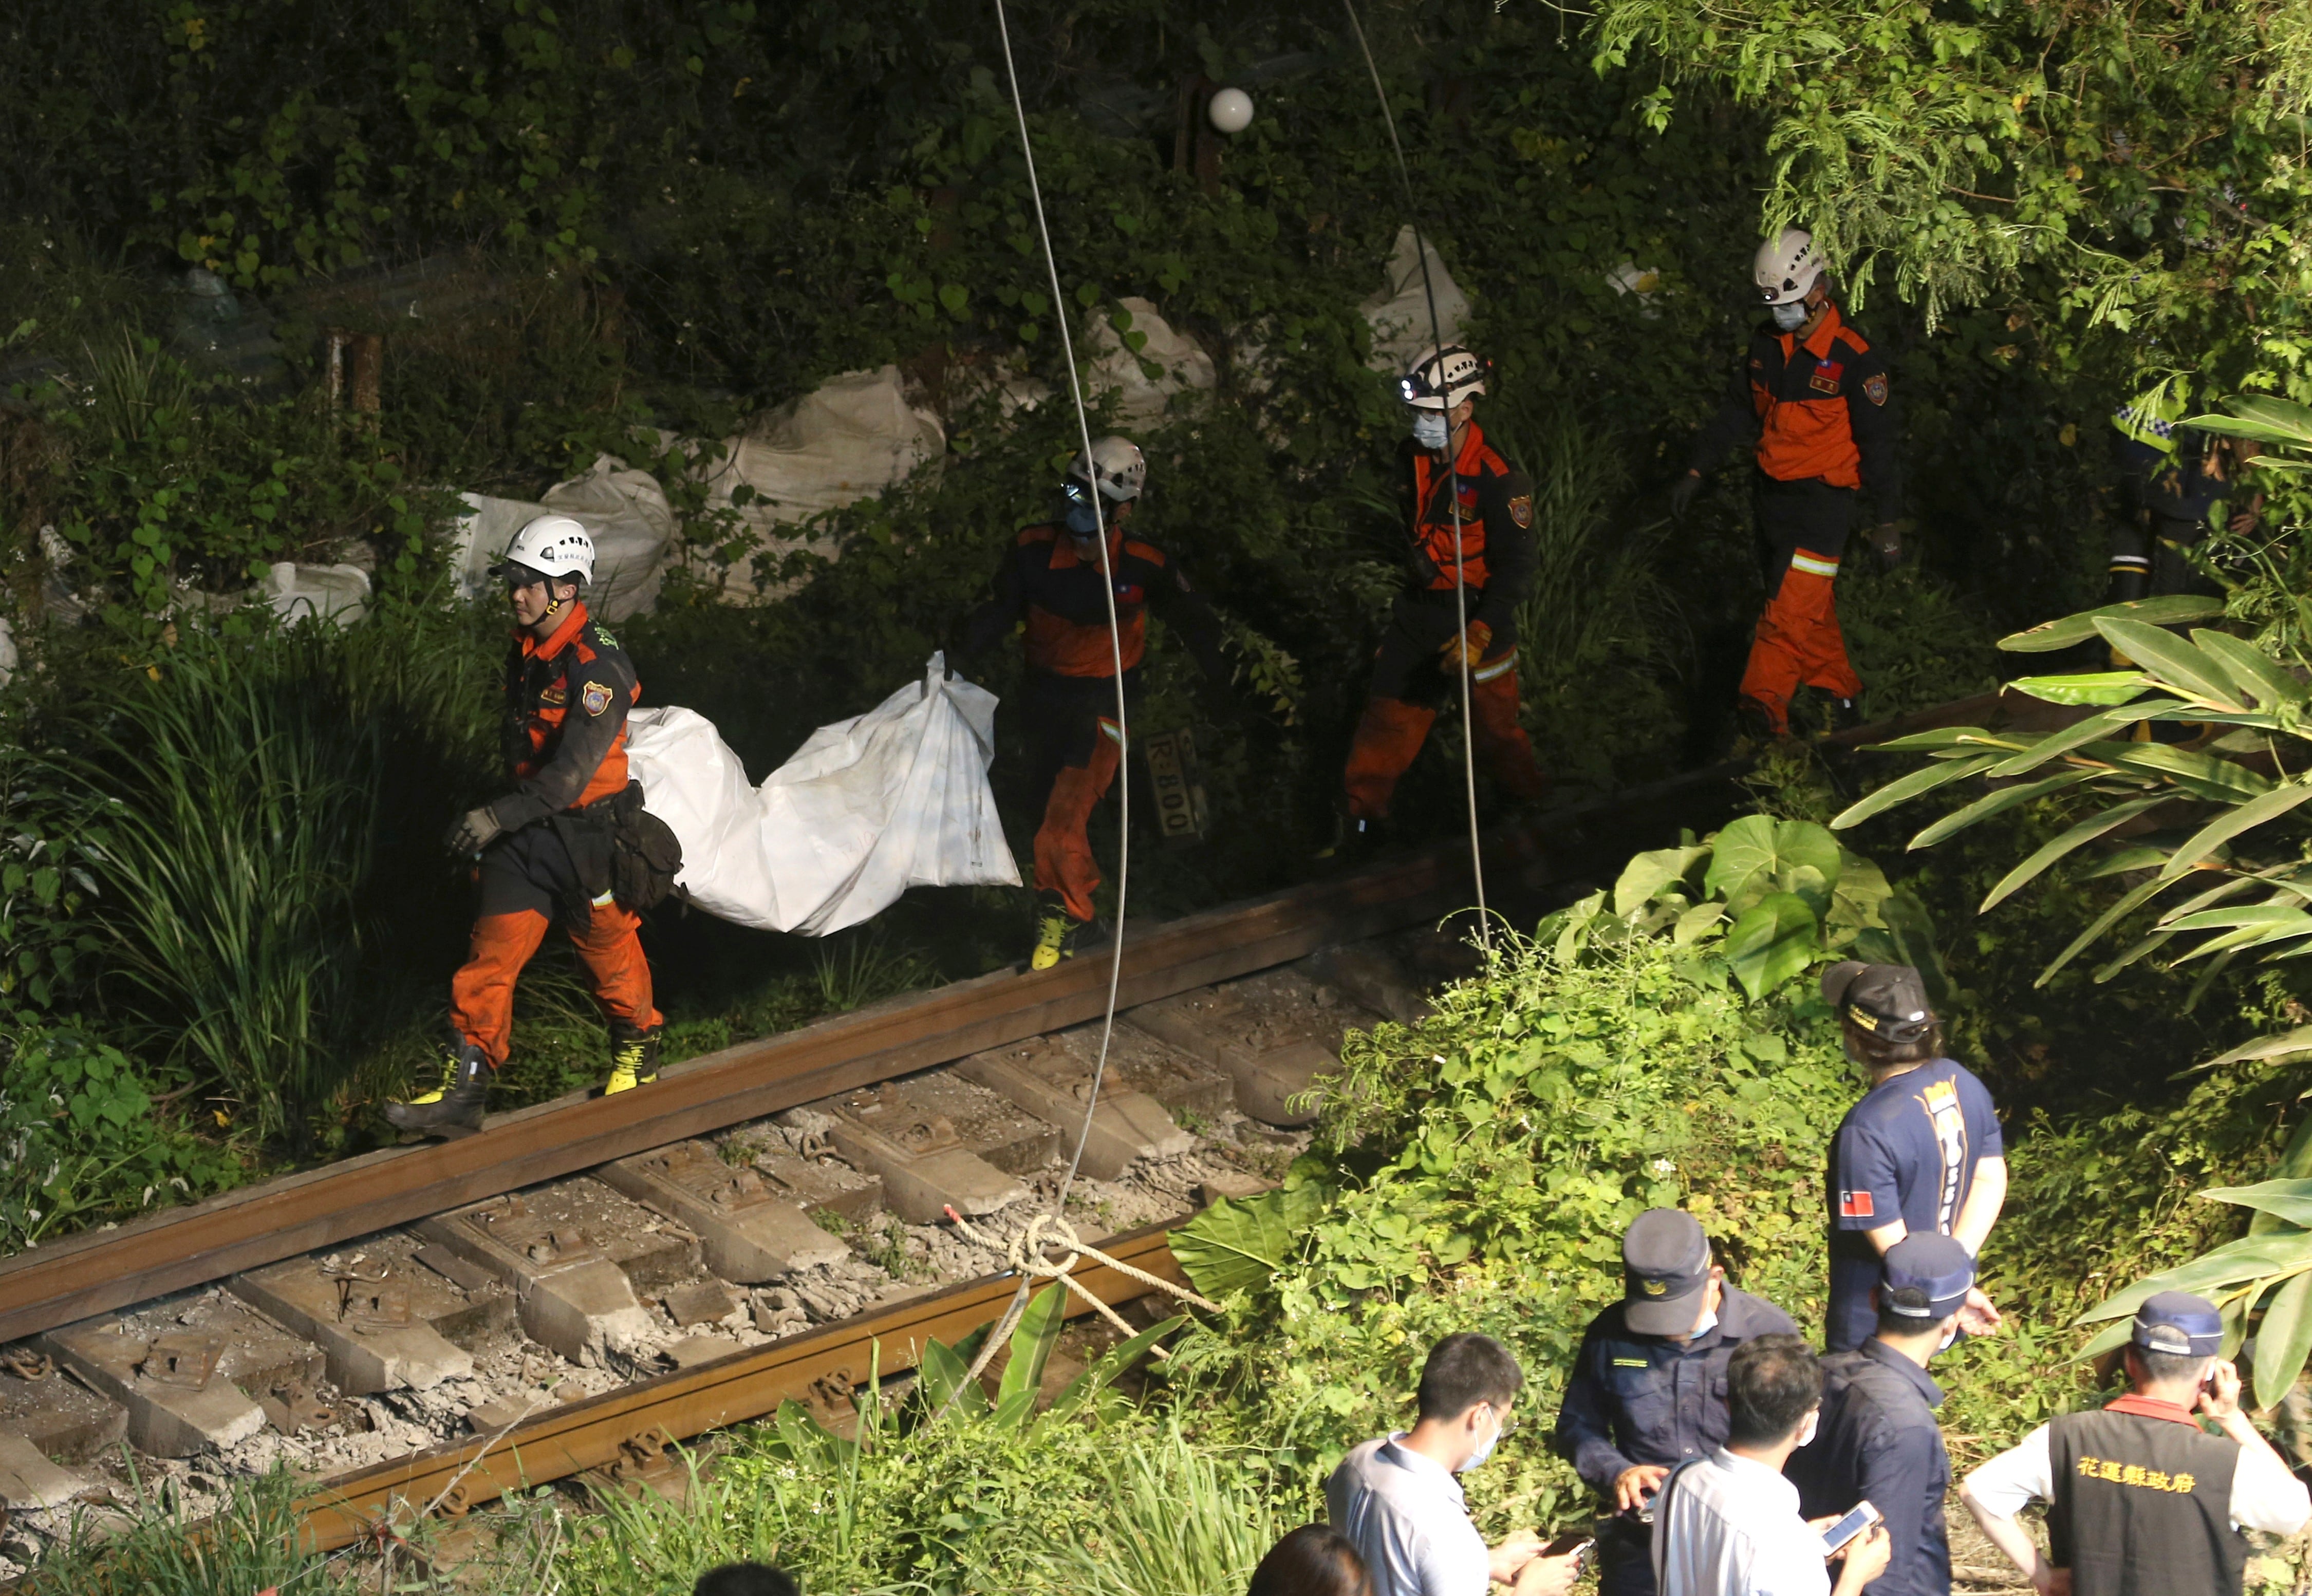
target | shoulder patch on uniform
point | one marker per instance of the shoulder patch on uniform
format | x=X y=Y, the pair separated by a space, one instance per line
x=598 y=697
x=1521 y=510
x=1874 y=387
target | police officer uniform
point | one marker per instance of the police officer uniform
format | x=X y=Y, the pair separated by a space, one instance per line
x=1636 y=1397
x=1877 y=1441
x=2172 y=478
x=2141 y=1501
x=1820 y=410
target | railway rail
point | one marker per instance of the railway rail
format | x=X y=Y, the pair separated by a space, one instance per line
x=248 y=1248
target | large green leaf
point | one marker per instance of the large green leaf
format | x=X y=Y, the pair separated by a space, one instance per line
x=2088 y=730
x=2050 y=635
x=1237 y=1243
x=2295 y=1164
x=1110 y=1365
x=2264 y=418
x=2248 y=815
x=2290 y=1200
x=2298 y=1040
x=1907 y=936
x=2250 y=1258
x=2087 y=830
x=2283 y=1340
x=1648 y=873
x=946 y=1380
x=2175 y=663
x=2202 y=775
x=1774 y=941
x=2096 y=687
x=1907 y=788
x=2006 y=798
x=2256 y=673
x=1039 y=1332
x=2133 y=899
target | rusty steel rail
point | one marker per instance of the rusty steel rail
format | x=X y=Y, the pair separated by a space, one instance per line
x=99 y=1271
x=634 y=1423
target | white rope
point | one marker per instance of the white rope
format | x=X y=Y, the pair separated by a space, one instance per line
x=1453 y=485
x=1124 y=758
x=1046 y=1232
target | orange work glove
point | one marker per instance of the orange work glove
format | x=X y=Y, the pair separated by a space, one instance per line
x=1469 y=648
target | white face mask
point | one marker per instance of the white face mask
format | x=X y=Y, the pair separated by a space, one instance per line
x=1431 y=431
x=1791 y=316
x=1484 y=1449
x=1807 y=1430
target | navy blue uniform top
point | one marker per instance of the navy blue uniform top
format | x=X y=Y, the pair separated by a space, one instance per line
x=1878 y=1441
x=1907 y=1151
x=1634 y=1399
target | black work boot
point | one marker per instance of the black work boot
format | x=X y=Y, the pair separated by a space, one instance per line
x=455 y=1105
x=634 y=1060
x=1355 y=838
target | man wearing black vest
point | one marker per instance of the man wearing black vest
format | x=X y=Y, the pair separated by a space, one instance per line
x=2141 y=1501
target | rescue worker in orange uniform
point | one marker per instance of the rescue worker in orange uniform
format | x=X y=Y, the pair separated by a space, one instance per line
x=545 y=847
x=1814 y=394
x=1490 y=543
x=1051 y=580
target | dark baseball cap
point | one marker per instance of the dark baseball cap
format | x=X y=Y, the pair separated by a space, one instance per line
x=1665 y=1270
x=1937 y=1265
x=2177 y=1323
x=1889 y=1001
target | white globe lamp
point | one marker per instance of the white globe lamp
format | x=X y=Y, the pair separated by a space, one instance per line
x=1231 y=110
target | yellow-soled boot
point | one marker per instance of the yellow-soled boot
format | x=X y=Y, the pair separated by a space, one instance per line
x=634 y=1061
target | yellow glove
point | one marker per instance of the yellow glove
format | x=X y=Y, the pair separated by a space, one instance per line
x=1468 y=648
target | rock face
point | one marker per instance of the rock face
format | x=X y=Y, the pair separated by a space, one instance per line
x=1398 y=314
x=1120 y=362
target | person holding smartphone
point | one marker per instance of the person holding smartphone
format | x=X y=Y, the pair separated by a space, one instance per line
x=1729 y=1524
x=2140 y=1497
x=1647 y=1389
x=1879 y=1441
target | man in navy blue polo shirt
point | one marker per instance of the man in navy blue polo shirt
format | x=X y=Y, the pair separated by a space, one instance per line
x=1879 y=1441
x=1648 y=1389
x=1921 y=1153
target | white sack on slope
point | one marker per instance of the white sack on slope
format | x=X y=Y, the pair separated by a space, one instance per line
x=867 y=807
x=1398 y=314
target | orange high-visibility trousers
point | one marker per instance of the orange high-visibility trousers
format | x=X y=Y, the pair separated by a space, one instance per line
x=1064 y=856
x=481 y=994
x=1797 y=642
x=1391 y=731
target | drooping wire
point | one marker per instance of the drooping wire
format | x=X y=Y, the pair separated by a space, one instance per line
x=1452 y=478
x=1003 y=1328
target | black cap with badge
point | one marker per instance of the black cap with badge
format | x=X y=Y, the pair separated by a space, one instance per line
x=1665 y=1271
x=2179 y=1325
x=1888 y=1001
x=1935 y=1267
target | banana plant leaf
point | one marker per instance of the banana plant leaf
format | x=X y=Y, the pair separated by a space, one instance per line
x=2283 y=1340
x=2096 y=687
x=2007 y=798
x=2266 y=419
x=2087 y=830
x=1032 y=1340
x=1086 y=1386
x=2290 y=1199
x=2135 y=856
x=2169 y=611
x=2256 y=673
x=2298 y=1040
x=2258 y=811
x=1905 y=788
x=2091 y=729
x=2200 y=775
x=2178 y=665
x=2250 y=1258
x=1932 y=738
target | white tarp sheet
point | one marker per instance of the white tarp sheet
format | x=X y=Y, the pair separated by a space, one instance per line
x=847 y=440
x=1180 y=360
x=867 y=807
x=1398 y=314
x=625 y=511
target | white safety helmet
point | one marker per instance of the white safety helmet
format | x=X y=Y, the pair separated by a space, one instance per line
x=1117 y=466
x=1786 y=266
x=1444 y=377
x=552 y=546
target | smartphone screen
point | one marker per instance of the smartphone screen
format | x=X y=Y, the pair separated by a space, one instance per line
x=1571 y=1542
x=1861 y=1518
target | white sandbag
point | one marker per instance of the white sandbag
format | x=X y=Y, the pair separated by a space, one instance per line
x=1116 y=364
x=847 y=440
x=626 y=512
x=338 y=593
x=7 y=651
x=1398 y=314
x=866 y=808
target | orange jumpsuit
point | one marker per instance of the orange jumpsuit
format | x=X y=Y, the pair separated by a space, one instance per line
x=565 y=734
x=1825 y=436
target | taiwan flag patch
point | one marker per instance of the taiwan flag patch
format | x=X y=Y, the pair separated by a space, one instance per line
x=1856 y=1205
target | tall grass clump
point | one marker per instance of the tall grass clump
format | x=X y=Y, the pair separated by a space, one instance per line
x=1175 y=1525
x=264 y=801
x=162 y=1548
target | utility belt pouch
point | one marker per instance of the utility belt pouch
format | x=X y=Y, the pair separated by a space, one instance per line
x=645 y=855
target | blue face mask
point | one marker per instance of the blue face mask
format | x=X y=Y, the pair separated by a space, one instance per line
x=1791 y=317
x=1430 y=431
x=1485 y=1449
x=1084 y=519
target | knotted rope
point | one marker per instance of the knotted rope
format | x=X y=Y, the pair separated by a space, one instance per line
x=1026 y=1252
